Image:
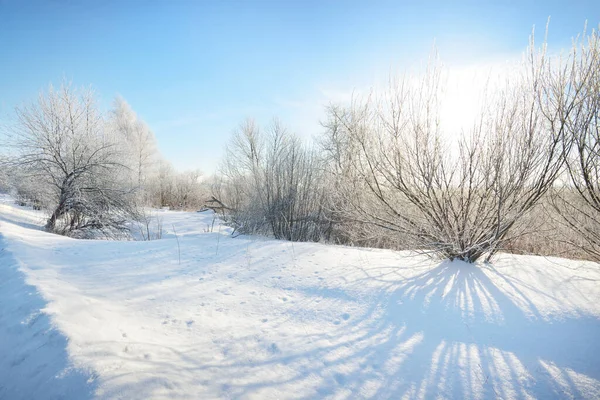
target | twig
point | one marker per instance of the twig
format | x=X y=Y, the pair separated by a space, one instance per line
x=178 y=248
x=218 y=239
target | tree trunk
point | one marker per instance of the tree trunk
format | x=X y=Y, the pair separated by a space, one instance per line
x=51 y=224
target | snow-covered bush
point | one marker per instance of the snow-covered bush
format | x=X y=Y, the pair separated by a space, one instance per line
x=177 y=190
x=453 y=198
x=271 y=184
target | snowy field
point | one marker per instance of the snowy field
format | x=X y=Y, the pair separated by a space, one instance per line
x=248 y=317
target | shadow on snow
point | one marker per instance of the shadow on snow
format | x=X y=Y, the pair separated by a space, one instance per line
x=447 y=331
x=34 y=362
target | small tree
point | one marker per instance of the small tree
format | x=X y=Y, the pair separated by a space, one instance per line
x=62 y=145
x=576 y=89
x=270 y=183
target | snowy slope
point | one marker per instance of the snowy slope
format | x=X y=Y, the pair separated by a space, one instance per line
x=249 y=317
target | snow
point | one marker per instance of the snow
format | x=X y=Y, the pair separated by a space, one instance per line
x=250 y=317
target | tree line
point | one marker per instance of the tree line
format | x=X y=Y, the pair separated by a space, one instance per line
x=384 y=172
x=94 y=173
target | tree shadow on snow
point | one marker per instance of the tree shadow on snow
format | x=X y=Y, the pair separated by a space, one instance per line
x=34 y=362
x=457 y=334
x=447 y=332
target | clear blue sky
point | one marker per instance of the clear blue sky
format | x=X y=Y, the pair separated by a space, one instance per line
x=194 y=69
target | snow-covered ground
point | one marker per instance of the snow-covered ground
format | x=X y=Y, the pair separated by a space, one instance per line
x=248 y=317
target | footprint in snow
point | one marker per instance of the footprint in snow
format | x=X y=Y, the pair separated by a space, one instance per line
x=189 y=323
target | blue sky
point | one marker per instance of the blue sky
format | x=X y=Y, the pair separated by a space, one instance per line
x=193 y=70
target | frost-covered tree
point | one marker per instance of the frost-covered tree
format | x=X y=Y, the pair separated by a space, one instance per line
x=456 y=199
x=139 y=144
x=177 y=190
x=575 y=89
x=270 y=183
x=163 y=185
x=61 y=144
x=189 y=192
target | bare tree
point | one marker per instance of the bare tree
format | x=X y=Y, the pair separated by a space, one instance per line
x=576 y=90
x=456 y=200
x=271 y=184
x=60 y=142
x=163 y=185
x=139 y=145
x=189 y=193
x=238 y=191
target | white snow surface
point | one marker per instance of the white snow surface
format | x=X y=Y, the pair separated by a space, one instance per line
x=255 y=318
